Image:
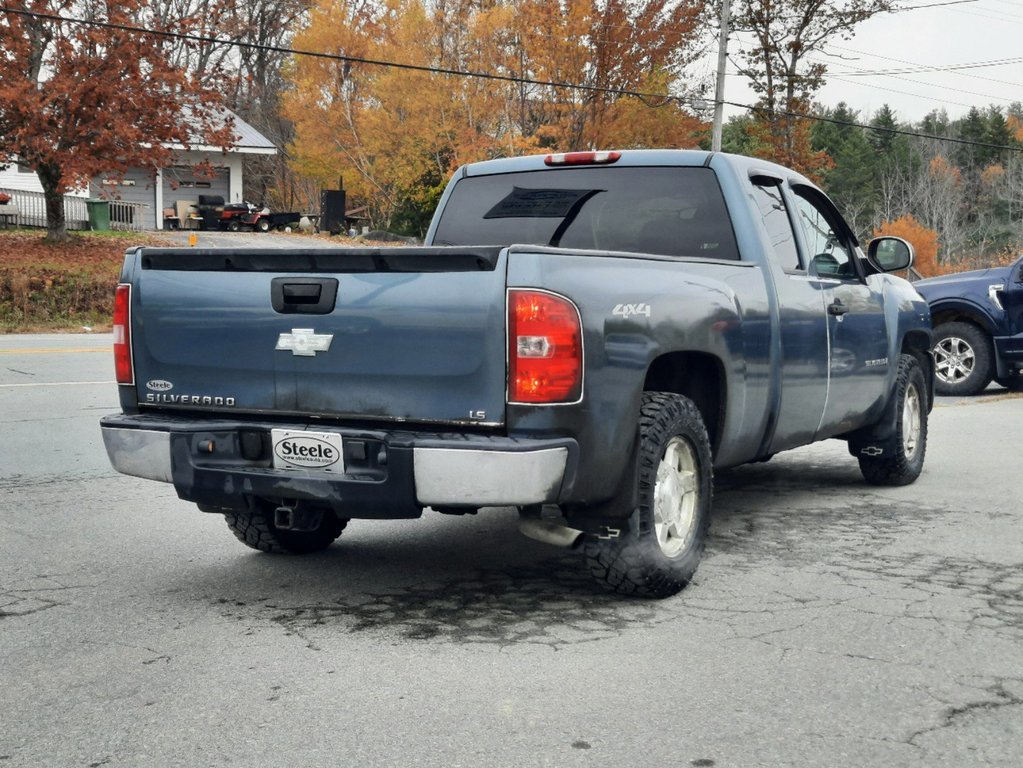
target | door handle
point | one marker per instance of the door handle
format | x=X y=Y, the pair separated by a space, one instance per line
x=837 y=308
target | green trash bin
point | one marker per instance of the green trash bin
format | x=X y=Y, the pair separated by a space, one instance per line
x=99 y=213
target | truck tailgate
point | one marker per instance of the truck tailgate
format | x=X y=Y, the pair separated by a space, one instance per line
x=414 y=334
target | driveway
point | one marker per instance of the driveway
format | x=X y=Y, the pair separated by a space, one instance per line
x=256 y=239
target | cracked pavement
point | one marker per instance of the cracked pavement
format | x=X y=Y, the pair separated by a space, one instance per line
x=830 y=623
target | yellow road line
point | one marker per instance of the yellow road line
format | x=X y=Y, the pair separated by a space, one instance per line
x=54 y=351
x=56 y=384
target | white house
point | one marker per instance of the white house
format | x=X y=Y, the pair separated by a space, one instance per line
x=171 y=184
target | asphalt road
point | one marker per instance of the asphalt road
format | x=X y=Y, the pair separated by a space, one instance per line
x=830 y=624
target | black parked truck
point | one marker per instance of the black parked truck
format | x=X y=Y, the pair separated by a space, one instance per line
x=584 y=336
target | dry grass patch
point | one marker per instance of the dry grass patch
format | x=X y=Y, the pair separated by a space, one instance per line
x=61 y=287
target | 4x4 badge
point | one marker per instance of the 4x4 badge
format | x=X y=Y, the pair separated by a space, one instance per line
x=304 y=341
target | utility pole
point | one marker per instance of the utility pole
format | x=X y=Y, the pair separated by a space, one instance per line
x=719 y=88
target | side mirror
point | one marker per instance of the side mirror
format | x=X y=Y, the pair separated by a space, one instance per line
x=891 y=254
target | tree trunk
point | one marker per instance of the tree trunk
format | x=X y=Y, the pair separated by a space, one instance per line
x=56 y=226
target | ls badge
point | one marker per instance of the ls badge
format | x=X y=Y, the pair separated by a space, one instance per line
x=305 y=342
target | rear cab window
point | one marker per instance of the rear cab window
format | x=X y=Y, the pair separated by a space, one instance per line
x=667 y=211
x=778 y=225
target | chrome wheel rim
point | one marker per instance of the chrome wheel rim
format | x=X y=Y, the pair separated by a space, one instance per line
x=954 y=360
x=676 y=496
x=911 y=422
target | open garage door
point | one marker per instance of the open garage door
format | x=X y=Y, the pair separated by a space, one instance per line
x=181 y=183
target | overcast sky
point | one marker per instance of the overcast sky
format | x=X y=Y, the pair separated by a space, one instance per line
x=967 y=33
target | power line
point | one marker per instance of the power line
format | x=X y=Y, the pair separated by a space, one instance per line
x=932 y=5
x=344 y=57
x=662 y=98
x=923 y=67
x=942 y=68
x=842 y=75
x=1004 y=18
x=945 y=102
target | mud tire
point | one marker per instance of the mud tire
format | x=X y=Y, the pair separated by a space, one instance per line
x=638 y=562
x=255 y=528
x=906 y=460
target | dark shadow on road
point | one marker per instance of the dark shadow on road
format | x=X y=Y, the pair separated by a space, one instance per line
x=477 y=579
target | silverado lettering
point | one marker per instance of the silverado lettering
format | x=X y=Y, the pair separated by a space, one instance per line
x=189 y=399
x=504 y=362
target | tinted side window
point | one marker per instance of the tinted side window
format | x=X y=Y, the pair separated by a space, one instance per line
x=664 y=211
x=779 y=226
x=829 y=253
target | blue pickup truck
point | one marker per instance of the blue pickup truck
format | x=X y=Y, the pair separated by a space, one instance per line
x=978 y=328
x=584 y=336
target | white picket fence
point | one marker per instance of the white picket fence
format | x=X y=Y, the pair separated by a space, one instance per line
x=32 y=206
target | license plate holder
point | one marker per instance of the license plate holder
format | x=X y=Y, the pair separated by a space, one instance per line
x=297 y=449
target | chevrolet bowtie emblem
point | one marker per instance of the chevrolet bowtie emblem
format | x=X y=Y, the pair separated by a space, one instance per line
x=305 y=341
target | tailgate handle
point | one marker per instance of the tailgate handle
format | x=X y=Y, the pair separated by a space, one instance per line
x=303 y=295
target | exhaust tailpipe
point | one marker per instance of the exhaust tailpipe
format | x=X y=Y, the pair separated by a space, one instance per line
x=550 y=532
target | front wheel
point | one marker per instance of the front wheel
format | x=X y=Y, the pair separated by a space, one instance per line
x=963 y=359
x=658 y=554
x=903 y=464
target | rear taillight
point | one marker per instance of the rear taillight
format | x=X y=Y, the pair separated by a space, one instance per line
x=583 y=158
x=545 y=348
x=122 y=335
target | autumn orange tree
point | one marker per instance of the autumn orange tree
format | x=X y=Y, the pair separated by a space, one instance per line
x=612 y=47
x=78 y=100
x=395 y=134
x=923 y=240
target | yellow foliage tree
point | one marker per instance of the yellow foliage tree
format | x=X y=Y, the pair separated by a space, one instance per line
x=396 y=134
x=924 y=241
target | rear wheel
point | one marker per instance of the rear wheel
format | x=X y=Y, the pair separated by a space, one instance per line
x=963 y=359
x=903 y=464
x=658 y=554
x=263 y=225
x=255 y=528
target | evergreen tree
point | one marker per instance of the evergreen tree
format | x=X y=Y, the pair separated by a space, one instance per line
x=935 y=123
x=972 y=128
x=852 y=182
x=997 y=133
x=881 y=139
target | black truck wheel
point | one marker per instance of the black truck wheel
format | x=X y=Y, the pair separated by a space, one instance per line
x=658 y=553
x=963 y=359
x=255 y=528
x=903 y=464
